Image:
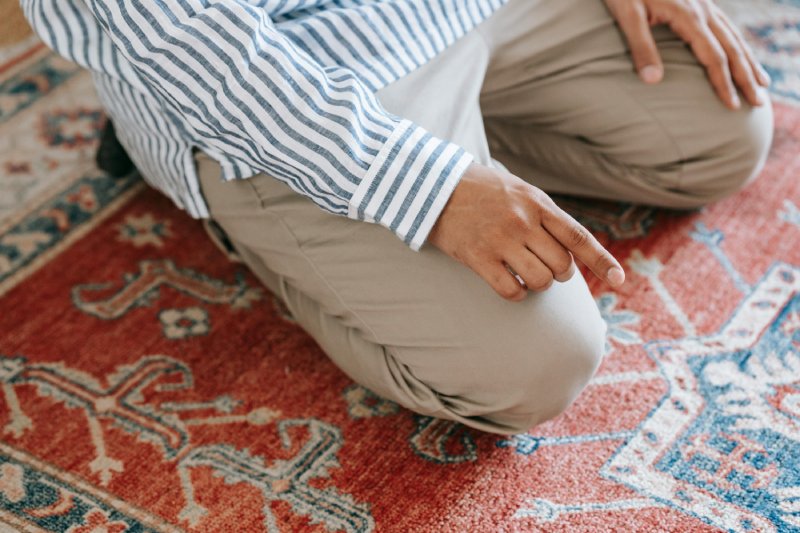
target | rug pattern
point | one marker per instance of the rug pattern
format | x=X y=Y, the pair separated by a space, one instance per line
x=146 y=385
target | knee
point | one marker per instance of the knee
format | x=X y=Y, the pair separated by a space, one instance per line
x=742 y=143
x=536 y=382
x=540 y=393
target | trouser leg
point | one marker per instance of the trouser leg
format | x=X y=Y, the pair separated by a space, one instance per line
x=416 y=327
x=565 y=110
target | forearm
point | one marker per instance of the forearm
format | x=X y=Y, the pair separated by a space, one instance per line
x=246 y=91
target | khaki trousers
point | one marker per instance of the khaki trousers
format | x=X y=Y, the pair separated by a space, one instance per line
x=547 y=88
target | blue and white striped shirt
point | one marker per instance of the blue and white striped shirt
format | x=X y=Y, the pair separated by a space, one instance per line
x=282 y=87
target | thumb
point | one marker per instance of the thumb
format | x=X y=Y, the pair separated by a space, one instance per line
x=635 y=26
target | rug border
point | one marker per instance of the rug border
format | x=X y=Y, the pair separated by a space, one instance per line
x=50 y=253
x=156 y=522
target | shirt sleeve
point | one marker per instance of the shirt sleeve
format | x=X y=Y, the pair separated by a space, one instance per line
x=247 y=91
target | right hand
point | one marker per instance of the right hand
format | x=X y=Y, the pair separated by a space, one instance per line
x=494 y=221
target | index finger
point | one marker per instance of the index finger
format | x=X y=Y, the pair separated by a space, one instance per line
x=577 y=239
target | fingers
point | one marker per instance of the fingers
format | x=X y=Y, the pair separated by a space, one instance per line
x=634 y=24
x=583 y=246
x=500 y=279
x=722 y=50
x=534 y=273
x=694 y=29
x=741 y=69
x=761 y=74
x=536 y=266
x=531 y=268
x=552 y=254
x=715 y=41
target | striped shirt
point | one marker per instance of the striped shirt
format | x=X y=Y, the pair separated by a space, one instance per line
x=281 y=87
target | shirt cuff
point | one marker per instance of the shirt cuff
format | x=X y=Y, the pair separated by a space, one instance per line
x=409 y=182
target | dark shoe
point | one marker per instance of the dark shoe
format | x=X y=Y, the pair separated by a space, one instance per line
x=111 y=156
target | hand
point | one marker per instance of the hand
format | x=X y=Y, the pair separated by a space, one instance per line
x=495 y=222
x=714 y=39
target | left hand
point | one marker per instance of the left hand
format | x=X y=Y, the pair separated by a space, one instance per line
x=714 y=39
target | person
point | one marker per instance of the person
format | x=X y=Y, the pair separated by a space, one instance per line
x=356 y=151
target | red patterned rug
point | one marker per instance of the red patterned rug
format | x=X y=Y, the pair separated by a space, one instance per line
x=148 y=383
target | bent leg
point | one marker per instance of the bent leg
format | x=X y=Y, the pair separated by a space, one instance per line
x=416 y=327
x=565 y=110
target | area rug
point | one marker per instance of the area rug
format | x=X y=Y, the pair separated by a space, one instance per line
x=150 y=383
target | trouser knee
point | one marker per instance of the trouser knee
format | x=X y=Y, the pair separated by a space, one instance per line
x=734 y=161
x=536 y=383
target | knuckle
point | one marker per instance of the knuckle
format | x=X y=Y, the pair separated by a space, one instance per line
x=631 y=11
x=603 y=264
x=505 y=287
x=693 y=16
x=508 y=292
x=566 y=276
x=539 y=200
x=517 y=221
x=563 y=267
x=578 y=236
x=541 y=283
x=716 y=59
x=494 y=241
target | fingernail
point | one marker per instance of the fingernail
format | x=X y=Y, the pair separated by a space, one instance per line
x=616 y=276
x=735 y=102
x=650 y=74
